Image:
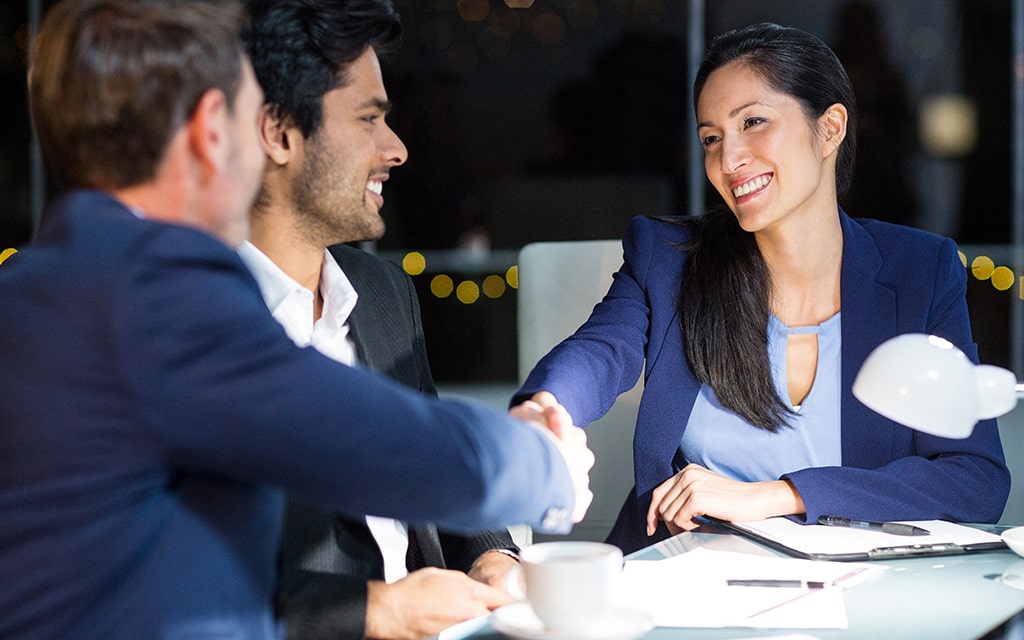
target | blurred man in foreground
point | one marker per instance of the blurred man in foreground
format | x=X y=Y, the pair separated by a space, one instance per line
x=150 y=404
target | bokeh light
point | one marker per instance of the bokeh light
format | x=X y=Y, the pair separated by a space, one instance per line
x=468 y=292
x=442 y=286
x=549 y=28
x=414 y=263
x=512 y=276
x=1002 y=278
x=474 y=10
x=7 y=253
x=982 y=267
x=494 y=286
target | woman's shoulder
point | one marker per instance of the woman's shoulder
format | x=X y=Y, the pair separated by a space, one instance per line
x=891 y=233
x=902 y=243
x=675 y=229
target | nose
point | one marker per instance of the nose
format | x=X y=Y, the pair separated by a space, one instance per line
x=735 y=154
x=393 y=148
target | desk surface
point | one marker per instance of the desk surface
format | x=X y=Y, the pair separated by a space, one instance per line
x=949 y=597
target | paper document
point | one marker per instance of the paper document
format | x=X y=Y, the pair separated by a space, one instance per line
x=845 y=543
x=691 y=590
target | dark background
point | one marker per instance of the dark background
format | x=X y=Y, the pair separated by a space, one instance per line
x=563 y=119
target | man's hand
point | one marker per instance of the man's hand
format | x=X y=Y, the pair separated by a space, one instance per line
x=491 y=567
x=696 y=491
x=425 y=602
x=545 y=411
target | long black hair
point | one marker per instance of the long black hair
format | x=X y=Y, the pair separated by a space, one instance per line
x=726 y=291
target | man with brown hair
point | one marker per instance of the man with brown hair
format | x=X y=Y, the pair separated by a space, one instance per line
x=148 y=421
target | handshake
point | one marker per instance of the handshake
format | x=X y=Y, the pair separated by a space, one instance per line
x=545 y=413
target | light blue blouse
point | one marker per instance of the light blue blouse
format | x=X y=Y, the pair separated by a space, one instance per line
x=723 y=442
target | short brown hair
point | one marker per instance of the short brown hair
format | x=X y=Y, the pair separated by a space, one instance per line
x=112 y=80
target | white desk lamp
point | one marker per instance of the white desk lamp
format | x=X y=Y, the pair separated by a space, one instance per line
x=926 y=383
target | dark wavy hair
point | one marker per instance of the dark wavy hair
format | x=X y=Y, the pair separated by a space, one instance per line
x=726 y=291
x=301 y=49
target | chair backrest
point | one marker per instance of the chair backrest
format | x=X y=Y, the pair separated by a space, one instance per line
x=559 y=284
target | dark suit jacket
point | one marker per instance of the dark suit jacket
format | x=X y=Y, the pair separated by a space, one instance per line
x=894 y=280
x=147 y=437
x=327 y=559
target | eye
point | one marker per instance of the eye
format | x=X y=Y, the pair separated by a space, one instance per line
x=372 y=118
x=753 y=121
x=707 y=141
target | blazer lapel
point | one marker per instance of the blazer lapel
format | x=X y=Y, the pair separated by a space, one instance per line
x=368 y=321
x=868 y=319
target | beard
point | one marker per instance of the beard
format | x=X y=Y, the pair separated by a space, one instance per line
x=331 y=202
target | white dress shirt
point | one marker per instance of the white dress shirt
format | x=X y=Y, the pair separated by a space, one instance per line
x=291 y=304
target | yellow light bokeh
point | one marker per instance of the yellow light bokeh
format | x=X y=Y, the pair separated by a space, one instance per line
x=467 y=292
x=512 y=276
x=414 y=263
x=442 y=286
x=982 y=267
x=1002 y=278
x=7 y=253
x=493 y=286
x=963 y=258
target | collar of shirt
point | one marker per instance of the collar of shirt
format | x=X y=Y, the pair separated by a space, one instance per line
x=291 y=304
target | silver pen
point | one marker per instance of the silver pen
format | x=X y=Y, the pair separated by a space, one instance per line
x=895 y=528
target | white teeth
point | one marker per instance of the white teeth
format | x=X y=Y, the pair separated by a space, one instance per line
x=375 y=186
x=757 y=183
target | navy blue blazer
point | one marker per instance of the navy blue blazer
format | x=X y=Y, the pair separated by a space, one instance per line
x=894 y=280
x=148 y=429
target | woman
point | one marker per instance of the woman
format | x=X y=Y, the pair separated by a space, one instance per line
x=750 y=323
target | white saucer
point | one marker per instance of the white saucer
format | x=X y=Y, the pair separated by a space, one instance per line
x=519 y=621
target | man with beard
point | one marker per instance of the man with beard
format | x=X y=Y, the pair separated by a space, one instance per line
x=329 y=152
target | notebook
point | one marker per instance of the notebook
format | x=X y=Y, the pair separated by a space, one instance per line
x=820 y=542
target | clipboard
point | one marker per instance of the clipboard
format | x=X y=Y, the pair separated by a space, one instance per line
x=843 y=544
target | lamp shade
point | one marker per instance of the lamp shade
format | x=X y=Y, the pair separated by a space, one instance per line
x=927 y=383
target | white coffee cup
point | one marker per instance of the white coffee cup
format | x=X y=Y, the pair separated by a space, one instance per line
x=568 y=584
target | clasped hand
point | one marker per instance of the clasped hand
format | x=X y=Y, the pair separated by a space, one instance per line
x=544 y=411
x=696 y=491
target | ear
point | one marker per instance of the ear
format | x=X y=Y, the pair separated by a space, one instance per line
x=833 y=127
x=278 y=136
x=208 y=134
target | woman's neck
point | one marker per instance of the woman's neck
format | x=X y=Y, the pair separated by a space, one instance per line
x=805 y=264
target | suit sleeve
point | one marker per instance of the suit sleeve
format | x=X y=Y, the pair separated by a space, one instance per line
x=460 y=552
x=927 y=477
x=587 y=371
x=221 y=389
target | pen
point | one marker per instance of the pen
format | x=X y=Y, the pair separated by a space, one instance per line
x=895 y=528
x=792 y=584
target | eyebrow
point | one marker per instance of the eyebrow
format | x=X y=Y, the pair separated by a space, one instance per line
x=734 y=112
x=377 y=103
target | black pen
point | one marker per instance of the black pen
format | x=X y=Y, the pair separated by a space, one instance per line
x=895 y=528
x=792 y=584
